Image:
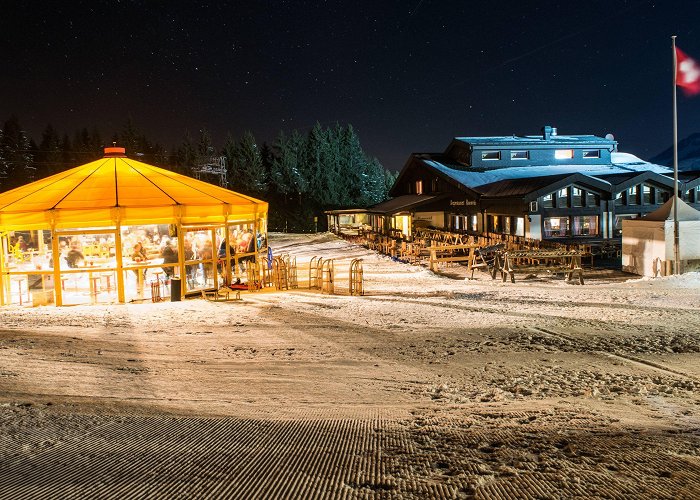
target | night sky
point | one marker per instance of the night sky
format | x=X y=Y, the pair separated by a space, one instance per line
x=408 y=75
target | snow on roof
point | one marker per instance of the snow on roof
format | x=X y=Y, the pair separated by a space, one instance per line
x=621 y=163
x=533 y=139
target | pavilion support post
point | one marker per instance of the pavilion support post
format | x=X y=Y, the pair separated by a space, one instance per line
x=56 y=253
x=215 y=257
x=227 y=264
x=118 y=255
x=255 y=239
x=4 y=247
x=181 y=257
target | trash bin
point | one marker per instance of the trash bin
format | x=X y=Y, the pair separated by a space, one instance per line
x=175 y=289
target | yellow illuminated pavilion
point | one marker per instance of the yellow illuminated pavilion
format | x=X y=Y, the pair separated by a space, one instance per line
x=116 y=198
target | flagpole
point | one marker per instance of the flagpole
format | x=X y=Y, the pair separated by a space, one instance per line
x=676 y=252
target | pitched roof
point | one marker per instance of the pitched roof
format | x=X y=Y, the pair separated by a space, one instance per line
x=534 y=140
x=402 y=203
x=101 y=191
x=536 y=185
x=622 y=164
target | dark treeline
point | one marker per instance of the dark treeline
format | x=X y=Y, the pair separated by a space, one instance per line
x=300 y=175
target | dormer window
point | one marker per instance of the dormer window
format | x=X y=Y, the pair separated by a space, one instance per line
x=564 y=154
x=591 y=153
x=633 y=195
x=491 y=155
x=419 y=187
x=563 y=197
x=620 y=198
x=576 y=197
x=548 y=201
x=519 y=155
x=592 y=199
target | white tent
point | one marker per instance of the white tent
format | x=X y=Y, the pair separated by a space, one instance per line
x=647 y=242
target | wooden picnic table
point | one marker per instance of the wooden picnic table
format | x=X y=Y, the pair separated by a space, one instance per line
x=533 y=261
x=468 y=253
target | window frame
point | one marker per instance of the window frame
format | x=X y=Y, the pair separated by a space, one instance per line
x=581 y=196
x=633 y=195
x=484 y=155
x=566 y=203
x=548 y=200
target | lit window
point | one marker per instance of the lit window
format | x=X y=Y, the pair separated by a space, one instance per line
x=491 y=155
x=633 y=195
x=563 y=197
x=419 y=187
x=519 y=155
x=576 y=197
x=548 y=201
x=556 y=227
x=591 y=153
x=564 y=154
x=585 y=225
x=592 y=199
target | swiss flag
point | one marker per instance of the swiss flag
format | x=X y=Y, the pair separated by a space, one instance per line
x=687 y=73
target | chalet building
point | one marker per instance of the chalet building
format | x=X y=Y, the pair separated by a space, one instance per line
x=690 y=187
x=548 y=186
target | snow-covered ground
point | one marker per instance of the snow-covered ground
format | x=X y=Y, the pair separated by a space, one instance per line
x=438 y=385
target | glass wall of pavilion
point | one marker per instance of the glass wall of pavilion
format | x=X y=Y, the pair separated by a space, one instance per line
x=126 y=263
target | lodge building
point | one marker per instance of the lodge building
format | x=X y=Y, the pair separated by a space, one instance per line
x=543 y=187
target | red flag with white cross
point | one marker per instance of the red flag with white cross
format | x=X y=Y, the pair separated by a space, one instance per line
x=687 y=73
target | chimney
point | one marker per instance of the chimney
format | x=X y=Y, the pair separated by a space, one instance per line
x=548 y=132
x=115 y=152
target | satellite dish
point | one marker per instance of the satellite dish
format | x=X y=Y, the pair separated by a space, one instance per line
x=609 y=137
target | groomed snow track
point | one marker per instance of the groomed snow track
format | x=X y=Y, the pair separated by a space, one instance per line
x=143 y=457
x=120 y=457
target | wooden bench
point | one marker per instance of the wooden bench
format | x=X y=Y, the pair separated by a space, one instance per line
x=221 y=294
x=534 y=261
x=468 y=253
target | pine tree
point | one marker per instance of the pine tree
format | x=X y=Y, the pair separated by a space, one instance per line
x=160 y=157
x=32 y=172
x=317 y=158
x=357 y=175
x=69 y=157
x=17 y=166
x=246 y=170
x=230 y=151
x=288 y=176
x=266 y=157
x=128 y=138
x=87 y=146
x=49 y=158
x=186 y=156
x=205 y=146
